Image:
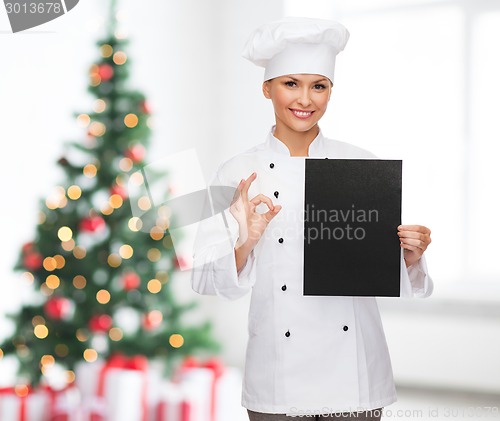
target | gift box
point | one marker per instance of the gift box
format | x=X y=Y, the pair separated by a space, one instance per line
x=41 y=404
x=202 y=391
x=198 y=387
x=115 y=390
x=23 y=404
x=174 y=404
x=64 y=404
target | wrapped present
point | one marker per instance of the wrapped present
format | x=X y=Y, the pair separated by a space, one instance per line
x=115 y=390
x=64 y=404
x=23 y=404
x=40 y=404
x=207 y=391
x=199 y=380
x=174 y=404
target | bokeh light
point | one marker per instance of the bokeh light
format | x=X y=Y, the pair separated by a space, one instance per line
x=176 y=340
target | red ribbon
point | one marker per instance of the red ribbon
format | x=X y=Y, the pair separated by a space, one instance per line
x=120 y=361
x=185 y=411
x=217 y=368
x=22 y=403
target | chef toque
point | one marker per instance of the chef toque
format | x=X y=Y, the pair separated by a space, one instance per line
x=296 y=45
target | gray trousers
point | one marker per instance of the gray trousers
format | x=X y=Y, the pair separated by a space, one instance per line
x=371 y=415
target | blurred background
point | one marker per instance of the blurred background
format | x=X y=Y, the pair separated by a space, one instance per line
x=417 y=81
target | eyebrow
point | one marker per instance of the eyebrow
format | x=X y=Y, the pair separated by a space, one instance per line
x=317 y=81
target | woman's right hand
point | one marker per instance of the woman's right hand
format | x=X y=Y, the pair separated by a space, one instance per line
x=251 y=223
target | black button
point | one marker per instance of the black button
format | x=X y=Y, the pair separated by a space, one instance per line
x=345 y=328
x=287 y=334
x=280 y=240
x=326 y=158
x=276 y=194
x=271 y=165
x=283 y=288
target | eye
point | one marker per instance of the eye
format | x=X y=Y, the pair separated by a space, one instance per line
x=290 y=83
x=319 y=86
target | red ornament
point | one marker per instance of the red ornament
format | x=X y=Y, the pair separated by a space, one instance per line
x=32 y=260
x=58 y=308
x=106 y=72
x=92 y=224
x=119 y=190
x=152 y=320
x=100 y=323
x=131 y=281
x=136 y=153
x=144 y=107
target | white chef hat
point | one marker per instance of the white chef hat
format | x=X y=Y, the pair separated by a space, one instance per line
x=296 y=45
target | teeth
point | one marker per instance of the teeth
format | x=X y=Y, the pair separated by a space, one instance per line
x=302 y=113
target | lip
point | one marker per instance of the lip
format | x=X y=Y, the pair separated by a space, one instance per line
x=301 y=114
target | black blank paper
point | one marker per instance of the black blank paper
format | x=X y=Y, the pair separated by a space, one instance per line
x=352 y=211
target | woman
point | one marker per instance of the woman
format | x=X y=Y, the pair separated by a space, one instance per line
x=306 y=355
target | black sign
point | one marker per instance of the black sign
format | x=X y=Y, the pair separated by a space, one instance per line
x=352 y=211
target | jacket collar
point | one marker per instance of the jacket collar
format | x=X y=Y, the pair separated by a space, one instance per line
x=316 y=147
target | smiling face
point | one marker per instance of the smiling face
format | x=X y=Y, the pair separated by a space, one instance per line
x=299 y=101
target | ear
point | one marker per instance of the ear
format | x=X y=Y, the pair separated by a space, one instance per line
x=266 y=89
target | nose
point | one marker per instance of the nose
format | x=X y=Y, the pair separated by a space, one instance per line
x=304 y=98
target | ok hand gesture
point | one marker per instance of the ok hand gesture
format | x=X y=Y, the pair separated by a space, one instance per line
x=251 y=223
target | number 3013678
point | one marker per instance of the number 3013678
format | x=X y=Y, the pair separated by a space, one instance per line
x=34 y=8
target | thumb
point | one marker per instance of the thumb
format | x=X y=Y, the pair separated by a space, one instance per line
x=269 y=215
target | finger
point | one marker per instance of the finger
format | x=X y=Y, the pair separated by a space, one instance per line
x=269 y=215
x=414 y=234
x=261 y=198
x=246 y=185
x=424 y=238
x=237 y=192
x=410 y=248
x=414 y=243
x=417 y=228
x=240 y=185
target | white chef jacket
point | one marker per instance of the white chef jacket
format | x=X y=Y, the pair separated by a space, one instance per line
x=305 y=354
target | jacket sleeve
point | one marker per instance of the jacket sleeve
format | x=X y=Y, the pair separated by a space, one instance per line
x=415 y=280
x=214 y=263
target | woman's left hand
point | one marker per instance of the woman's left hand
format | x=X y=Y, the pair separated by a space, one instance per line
x=414 y=240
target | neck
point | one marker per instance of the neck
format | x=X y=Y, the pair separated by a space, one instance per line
x=296 y=142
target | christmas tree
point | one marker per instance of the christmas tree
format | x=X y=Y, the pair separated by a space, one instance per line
x=101 y=276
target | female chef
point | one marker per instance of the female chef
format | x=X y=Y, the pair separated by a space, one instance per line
x=306 y=355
